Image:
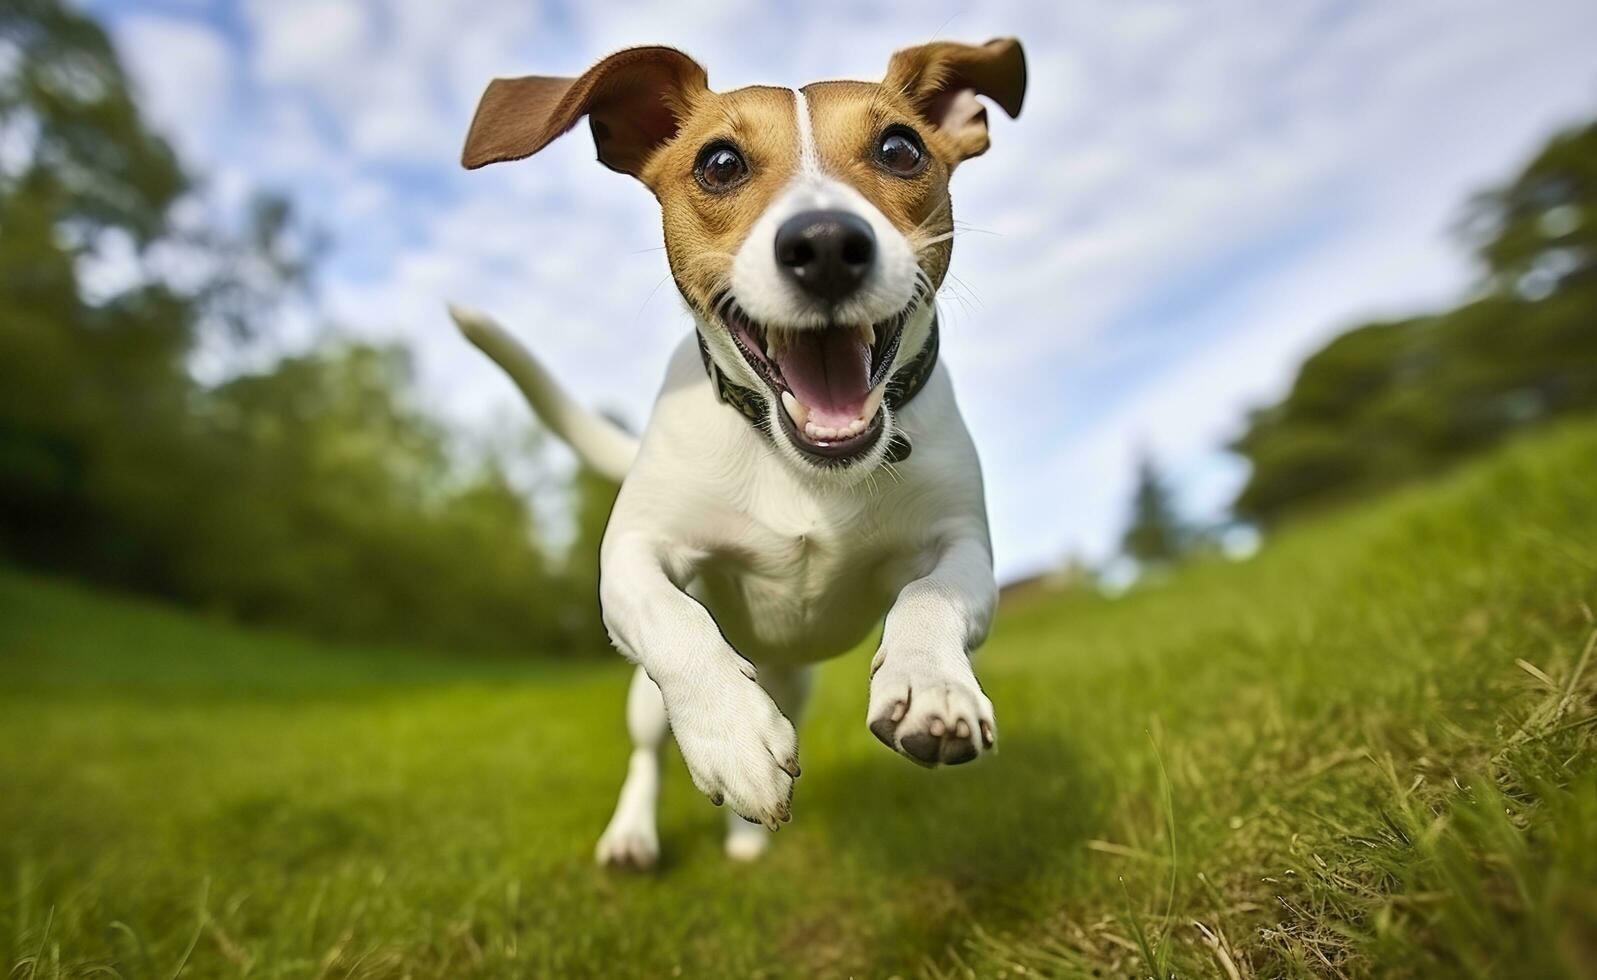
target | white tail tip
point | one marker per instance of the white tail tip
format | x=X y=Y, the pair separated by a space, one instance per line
x=472 y=322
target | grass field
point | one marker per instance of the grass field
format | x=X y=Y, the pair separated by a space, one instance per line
x=1369 y=750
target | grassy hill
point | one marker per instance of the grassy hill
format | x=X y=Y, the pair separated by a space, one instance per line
x=1368 y=750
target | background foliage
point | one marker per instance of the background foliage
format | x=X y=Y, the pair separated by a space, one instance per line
x=1385 y=402
x=313 y=493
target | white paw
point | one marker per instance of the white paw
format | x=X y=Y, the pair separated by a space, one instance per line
x=739 y=748
x=746 y=842
x=629 y=842
x=929 y=708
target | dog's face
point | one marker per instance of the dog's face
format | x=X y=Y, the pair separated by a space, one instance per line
x=808 y=230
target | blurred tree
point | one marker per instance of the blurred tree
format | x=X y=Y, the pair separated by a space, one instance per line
x=313 y=493
x=1386 y=402
x=84 y=152
x=1538 y=234
x=84 y=387
x=347 y=515
x=1155 y=535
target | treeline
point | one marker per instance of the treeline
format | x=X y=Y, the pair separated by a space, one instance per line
x=1386 y=402
x=315 y=494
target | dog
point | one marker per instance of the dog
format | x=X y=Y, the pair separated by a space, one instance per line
x=805 y=474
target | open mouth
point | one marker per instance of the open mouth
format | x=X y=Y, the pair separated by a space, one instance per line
x=830 y=381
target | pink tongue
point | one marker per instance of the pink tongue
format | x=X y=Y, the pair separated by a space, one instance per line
x=829 y=371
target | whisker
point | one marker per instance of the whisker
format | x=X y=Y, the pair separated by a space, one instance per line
x=648 y=299
x=891 y=469
x=935 y=213
x=966 y=287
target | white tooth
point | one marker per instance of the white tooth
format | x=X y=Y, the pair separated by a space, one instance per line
x=795 y=409
x=873 y=401
x=870 y=334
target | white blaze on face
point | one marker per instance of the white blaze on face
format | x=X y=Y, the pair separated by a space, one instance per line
x=771 y=298
x=809 y=160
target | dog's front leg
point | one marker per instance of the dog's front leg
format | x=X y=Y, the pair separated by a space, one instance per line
x=925 y=701
x=736 y=743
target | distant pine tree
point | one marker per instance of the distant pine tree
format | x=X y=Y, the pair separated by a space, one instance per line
x=1155 y=535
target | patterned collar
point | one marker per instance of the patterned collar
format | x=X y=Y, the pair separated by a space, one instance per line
x=905 y=384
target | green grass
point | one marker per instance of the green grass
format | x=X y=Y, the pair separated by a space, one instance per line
x=1368 y=750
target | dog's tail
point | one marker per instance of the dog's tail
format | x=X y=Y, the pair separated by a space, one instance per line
x=601 y=444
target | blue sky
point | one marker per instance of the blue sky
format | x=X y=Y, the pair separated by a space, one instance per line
x=1196 y=195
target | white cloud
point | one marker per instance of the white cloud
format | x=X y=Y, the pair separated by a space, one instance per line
x=391 y=77
x=315 y=42
x=184 y=71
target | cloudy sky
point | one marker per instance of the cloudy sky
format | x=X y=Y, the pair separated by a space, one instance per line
x=1196 y=195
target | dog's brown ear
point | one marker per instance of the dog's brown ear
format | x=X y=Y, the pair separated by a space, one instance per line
x=943 y=79
x=634 y=101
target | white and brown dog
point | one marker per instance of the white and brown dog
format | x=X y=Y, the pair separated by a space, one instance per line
x=805 y=470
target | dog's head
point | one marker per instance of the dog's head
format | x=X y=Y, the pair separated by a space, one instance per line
x=808 y=230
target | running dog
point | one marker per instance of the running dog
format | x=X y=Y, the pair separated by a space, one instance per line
x=805 y=472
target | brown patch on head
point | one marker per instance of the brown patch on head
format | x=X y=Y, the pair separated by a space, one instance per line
x=849 y=121
x=703 y=229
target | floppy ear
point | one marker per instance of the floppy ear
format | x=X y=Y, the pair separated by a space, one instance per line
x=943 y=79
x=633 y=99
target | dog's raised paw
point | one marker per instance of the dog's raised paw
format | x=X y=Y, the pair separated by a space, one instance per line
x=738 y=747
x=930 y=710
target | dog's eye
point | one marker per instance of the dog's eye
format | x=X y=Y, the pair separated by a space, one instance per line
x=901 y=152
x=720 y=167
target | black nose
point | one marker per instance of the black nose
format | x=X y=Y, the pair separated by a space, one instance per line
x=828 y=253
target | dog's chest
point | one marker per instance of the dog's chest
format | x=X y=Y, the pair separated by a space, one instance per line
x=802 y=581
